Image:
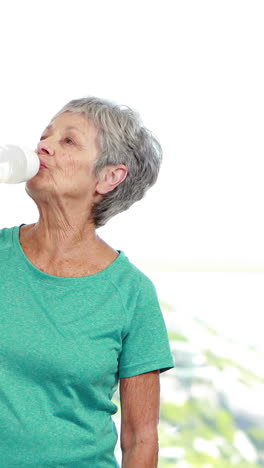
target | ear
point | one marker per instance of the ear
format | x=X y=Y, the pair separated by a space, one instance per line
x=110 y=177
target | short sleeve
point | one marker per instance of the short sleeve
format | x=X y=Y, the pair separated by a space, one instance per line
x=145 y=346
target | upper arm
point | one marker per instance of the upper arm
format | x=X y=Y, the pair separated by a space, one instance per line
x=140 y=401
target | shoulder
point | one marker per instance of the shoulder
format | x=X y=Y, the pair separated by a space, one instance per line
x=6 y=236
x=129 y=275
x=133 y=285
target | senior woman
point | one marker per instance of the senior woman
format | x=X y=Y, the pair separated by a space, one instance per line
x=77 y=317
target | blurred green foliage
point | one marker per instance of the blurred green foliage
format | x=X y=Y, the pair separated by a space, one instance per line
x=198 y=427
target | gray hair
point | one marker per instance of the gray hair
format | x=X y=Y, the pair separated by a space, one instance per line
x=123 y=140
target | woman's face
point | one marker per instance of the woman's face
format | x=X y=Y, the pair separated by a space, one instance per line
x=69 y=149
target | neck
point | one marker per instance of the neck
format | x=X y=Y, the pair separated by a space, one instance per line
x=62 y=238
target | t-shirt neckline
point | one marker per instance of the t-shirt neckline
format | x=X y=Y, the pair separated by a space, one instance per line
x=107 y=271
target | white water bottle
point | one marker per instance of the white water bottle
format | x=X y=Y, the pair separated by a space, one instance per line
x=17 y=164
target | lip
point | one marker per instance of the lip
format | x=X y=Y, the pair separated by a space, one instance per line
x=42 y=165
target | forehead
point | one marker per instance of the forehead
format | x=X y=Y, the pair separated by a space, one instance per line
x=73 y=121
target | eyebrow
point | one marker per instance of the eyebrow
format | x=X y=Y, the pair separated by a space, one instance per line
x=67 y=128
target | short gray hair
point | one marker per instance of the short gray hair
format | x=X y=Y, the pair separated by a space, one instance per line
x=123 y=140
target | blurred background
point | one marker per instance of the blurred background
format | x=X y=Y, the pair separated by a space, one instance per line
x=194 y=70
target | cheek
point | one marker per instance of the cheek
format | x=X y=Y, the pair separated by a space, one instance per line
x=70 y=164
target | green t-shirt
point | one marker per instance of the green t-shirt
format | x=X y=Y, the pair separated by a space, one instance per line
x=64 y=344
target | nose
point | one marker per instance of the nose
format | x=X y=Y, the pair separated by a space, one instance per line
x=44 y=147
